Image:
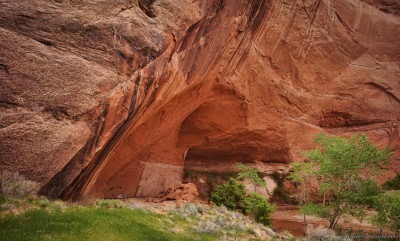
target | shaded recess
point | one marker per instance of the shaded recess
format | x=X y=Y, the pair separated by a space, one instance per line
x=336 y=119
x=216 y=136
x=217 y=133
x=147 y=8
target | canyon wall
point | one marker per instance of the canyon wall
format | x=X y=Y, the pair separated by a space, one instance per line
x=101 y=99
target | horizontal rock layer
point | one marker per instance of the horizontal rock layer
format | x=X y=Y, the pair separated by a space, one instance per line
x=102 y=99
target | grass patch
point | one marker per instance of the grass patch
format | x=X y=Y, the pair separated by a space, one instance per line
x=42 y=219
x=91 y=223
x=394 y=193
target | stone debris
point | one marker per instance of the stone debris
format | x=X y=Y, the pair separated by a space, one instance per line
x=183 y=192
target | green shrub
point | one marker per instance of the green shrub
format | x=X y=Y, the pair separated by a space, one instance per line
x=188 y=210
x=43 y=202
x=233 y=196
x=393 y=184
x=250 y=174
x=109 y=203
x=259 y=206
x=12 y=185
x=388 y=207
x=208 y=226
x=230 y=194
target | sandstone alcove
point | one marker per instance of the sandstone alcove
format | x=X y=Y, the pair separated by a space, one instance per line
x=107 y=99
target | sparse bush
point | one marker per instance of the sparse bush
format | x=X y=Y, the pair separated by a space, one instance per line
x=109 y=203
x=188 y=210
x=260 y=207
x=13 y=185
x=322 y=233
x=43 y=202
x=230 y=194
x=7 y=206
x=223 y=209
x=208 y=227
x=250 y=174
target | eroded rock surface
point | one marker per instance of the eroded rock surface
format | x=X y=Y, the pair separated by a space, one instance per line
x=101 y=98
x=183 y=192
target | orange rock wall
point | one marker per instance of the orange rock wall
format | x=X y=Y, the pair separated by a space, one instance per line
x=101 y=100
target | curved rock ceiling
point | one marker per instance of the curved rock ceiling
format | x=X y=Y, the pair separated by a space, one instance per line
x=99 y=99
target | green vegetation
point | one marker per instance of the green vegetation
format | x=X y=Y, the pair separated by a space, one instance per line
x=88 y=223
x=24 y=216
x=260 y=207
x=28 y=219
x=388 y=207
x=219 y=220
x=13 y=185
x=233 y=195
x=280 y=192
x=230 y=194
x=109 y=203
x=345 y=170
x=250 y=174
x=213 y=179
x=303 y=173
x=393 y=184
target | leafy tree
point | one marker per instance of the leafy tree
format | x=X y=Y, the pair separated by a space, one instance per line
x=303 y=173
x=388 y=207
x=230 y=194
x=259 y=206
x=250 y=174
x=346 y=169
x=233 y=195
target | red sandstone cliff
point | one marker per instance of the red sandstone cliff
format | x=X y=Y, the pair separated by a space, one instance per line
x=100 y=98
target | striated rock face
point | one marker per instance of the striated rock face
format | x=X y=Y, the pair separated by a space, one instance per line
x=103 y=99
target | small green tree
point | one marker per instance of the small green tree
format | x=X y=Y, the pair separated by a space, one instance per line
x=250 y=174
x=233 y=195
x=230 y=194
x=388 y=207
x=303 y=173
x=259 y=206
x=346 y=169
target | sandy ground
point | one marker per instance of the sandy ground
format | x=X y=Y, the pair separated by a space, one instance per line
x=287 y=217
